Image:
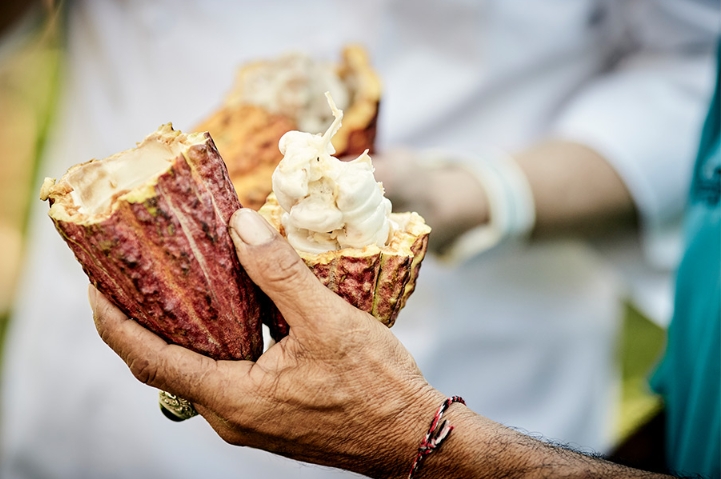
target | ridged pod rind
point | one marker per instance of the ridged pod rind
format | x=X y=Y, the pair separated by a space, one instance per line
x=376 y=280
x=248 y=137
x=166 y=259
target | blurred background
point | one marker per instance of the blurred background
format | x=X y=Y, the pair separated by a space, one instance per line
x=29 y=62
x=35 y=71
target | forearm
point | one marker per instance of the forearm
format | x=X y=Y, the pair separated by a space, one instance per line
x=575 y=191
x=480 y=448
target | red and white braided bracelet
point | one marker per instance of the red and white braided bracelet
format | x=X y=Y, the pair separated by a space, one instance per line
x=435 y=436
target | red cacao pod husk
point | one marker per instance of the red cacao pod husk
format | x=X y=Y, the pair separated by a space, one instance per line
x=158 y=246
x=377 y=280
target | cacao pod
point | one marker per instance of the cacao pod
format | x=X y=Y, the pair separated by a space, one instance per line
x=149 y=227
x=247 y=135
x=377 y=280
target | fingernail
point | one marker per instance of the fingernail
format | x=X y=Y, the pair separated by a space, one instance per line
x=251 y=227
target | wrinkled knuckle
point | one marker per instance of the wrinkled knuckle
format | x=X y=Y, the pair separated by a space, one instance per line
x=286 y=269
x=98 y=320
x=103 y=332
x=101 y=316
x=143 y=371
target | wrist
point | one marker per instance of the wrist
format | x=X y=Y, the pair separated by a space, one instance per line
x=460 y=205
x=400 y=432
x=508 y=205
x=459 y=455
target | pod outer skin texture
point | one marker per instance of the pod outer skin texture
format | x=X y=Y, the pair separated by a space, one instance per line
x=376 y=280
x=168 y=260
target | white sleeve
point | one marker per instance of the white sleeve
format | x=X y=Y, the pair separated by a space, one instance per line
x=644 y=115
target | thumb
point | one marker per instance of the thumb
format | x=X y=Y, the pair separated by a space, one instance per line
x=273 y=264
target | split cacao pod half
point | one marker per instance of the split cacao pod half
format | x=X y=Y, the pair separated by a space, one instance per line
x=247 y=131
x=149 y=227
x=377 y=280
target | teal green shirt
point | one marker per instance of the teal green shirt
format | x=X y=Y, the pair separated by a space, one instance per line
x=689 y=376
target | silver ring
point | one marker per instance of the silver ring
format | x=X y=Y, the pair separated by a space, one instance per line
x=175 y=408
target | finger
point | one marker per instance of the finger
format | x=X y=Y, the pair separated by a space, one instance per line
x=152 y=361
x=224 y=427
x=278 y=270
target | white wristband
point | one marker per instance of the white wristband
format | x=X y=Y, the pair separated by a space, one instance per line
x=512 y=211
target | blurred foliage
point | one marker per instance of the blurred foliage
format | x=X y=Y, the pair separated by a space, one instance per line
x=29 y=71
x=640 y=348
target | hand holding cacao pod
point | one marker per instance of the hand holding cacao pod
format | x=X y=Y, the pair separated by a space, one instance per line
x=148 y=225
x=338 y=387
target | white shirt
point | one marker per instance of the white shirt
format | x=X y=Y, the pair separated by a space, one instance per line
x=525 y=334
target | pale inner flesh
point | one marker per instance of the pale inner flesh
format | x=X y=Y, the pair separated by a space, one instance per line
x=97 y=184
x=88 y=191
x=293 y=85
x=329 y=204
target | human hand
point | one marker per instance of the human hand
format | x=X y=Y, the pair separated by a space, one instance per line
x=449 y=197
x=339 y=390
